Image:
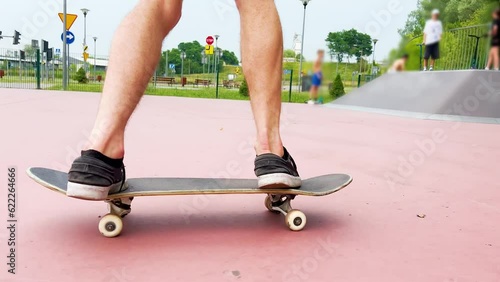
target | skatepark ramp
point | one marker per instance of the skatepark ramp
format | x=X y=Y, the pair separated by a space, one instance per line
x=470 y=95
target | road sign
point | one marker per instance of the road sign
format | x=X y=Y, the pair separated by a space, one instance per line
x=237 y=70
x=70 y=37
x=171 y=66
x=70 y=19
x=85 y=56
x=286 y=72
x=85 y=48
x=210 y=40
x=209 y=49
x=58 y=51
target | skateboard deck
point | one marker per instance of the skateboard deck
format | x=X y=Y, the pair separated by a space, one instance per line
x=278 y=200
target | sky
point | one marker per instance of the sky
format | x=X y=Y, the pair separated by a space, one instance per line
x=38 y=19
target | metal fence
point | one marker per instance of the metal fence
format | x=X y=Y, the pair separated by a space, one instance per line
x=465 y=48
x=36 y=72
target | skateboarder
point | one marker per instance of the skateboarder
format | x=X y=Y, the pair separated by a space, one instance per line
x=432 y=36
x=100 y=170
x=317 y=77
x=493 y=58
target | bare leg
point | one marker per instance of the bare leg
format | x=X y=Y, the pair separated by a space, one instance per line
x=262 y=65
x=426 y=63
x=490 y=59
x=433 y=63
x=314 y=92
x=496 y=57
x=130 y=68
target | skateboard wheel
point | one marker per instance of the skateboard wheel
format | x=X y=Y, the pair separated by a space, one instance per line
x=295 y=220
x=110 y=225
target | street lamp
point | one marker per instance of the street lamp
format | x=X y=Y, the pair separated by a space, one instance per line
x=85 y=12
x=374 y=46
x=304 y=2
x=218 y=55
x=183 y=56
x=361 y=61
x=95 y=57
x=216 y=59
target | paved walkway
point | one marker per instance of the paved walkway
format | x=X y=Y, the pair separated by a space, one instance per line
x=424 y=204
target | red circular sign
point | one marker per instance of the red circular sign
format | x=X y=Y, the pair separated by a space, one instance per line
x=210 y=40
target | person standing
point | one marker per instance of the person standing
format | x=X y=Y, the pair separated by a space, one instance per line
x=493 y=58
x=100 y=170
x=317 y=78
x=433 y=32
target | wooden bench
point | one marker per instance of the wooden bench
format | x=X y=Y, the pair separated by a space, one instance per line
x=167 y=80
x=204 y=82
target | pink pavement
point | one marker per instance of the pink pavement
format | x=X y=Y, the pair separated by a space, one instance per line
x=424 y=204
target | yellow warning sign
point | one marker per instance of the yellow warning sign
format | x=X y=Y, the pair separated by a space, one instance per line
x=85 y=56
x=70 y=19
x=209 y=49
x=237 y=70
x=85 y=48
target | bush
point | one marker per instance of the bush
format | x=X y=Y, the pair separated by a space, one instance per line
x=244 y=88
x=81 y=76
x=337 y=88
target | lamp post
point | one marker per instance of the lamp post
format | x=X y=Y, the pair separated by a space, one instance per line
x=85 y=12
x=361 y=61
x=203 y=60
x=65 y=51
x=95 y=57
x=183 y=56
x=304 y=2
x=216 y=58
x=374 y=46
x=218 y=55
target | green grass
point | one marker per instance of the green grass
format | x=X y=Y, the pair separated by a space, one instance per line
x=202 y=92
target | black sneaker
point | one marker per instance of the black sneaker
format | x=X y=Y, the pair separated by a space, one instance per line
x=276 y=172
x=93 y=176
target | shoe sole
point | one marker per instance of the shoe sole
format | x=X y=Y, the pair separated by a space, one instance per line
x=279 y=181
x=91 y=193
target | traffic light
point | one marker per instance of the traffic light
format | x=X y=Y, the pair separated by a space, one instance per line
x=22 y=54
x=50 y=54
x=17 y=36
x=45 y=46
x=1 y=37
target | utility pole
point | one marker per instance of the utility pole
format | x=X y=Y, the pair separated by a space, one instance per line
x=65 y=51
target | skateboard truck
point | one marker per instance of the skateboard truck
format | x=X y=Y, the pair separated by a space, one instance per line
x=120 y=207
x=294 y=219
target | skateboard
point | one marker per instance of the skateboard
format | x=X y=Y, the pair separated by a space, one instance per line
x=119 y=204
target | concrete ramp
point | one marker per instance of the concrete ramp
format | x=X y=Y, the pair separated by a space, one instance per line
x=466 y=95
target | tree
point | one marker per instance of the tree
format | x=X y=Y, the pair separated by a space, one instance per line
x=81 y=76
x=244 y=88
x=289 y=53
x=29 y=51
x=193 y=60
x=298 y=57
x=230 y=58
x=349 y=43
x=337 y=89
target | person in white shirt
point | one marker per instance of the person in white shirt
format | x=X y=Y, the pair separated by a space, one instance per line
x=432 y=35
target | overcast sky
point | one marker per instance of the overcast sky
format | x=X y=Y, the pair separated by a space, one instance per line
x=37 y=19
